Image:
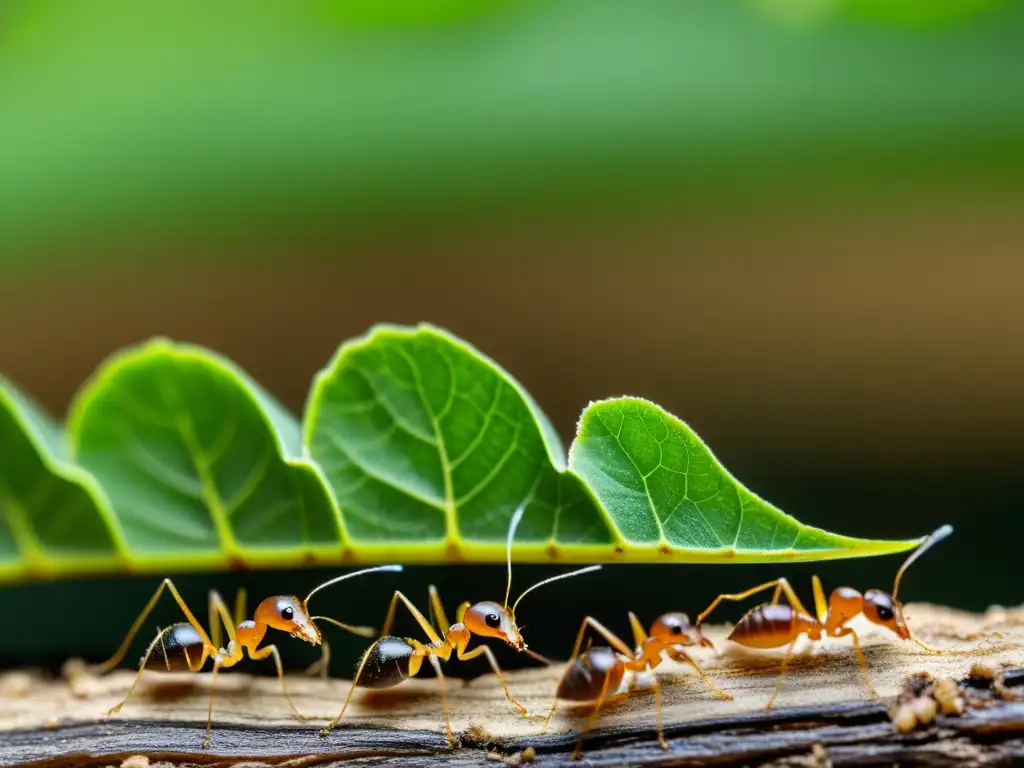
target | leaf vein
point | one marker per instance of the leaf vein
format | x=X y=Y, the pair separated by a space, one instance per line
x=380 y=478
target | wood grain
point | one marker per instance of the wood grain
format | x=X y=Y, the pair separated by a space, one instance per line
x=56 y=722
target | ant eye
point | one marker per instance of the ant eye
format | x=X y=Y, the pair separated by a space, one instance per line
x=492 y=620
x=287 y=613
x=885 y=613
x=677 y=629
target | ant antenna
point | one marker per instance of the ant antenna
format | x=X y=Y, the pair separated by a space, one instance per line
x=559 y=577
x=336 y=579
x=513 y=524
x=927 y=544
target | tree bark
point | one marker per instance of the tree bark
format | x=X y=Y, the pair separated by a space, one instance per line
x=824 y=714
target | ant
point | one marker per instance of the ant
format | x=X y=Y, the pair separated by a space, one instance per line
x=773 y=625
x=597 y=673
x=391 y=660
x=186 y=646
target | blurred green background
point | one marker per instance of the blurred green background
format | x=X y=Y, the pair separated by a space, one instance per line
x=796 y=224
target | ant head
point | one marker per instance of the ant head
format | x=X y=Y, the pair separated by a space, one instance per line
x=288 y=614
x=675 y=628
x=885 y=610
x=488 y=619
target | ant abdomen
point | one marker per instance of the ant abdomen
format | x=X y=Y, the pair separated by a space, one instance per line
x=585 y=679
x=771 y=626
x=178 y=644
x=386 y=663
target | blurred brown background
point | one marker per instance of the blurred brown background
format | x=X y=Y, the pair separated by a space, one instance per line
x=862 y=338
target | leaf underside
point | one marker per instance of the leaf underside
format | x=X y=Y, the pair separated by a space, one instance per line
x=414 y=447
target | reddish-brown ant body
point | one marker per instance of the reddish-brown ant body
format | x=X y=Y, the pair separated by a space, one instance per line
x=775 y=624
x=391 y=660
x=597 y=673
x=185 y=647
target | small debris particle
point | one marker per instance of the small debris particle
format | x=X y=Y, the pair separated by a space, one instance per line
x=85 y=686
x=981 y=672
x=496 y=757
x=924 y=708
x=51 y=722
x=917 y=684
x=529 y=755
x=819 y=756
x=16 y=685
x=136 y=761
x=903 y=719
x=947 y=695
x=83 y=683
x=478 y=733
x=72 y=668
x=922 y=698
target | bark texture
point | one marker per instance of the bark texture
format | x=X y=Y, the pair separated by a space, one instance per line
x=823 y=716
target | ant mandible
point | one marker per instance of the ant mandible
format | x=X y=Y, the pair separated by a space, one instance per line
x=186 y=646
x=391 y=660
x=773 y=625
x=597 y=673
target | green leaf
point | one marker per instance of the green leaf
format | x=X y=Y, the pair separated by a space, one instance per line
x=425 y=441
x=416 y=447
x=201 y=466
x=663 y=488
x=430 y=447
x=53 y=516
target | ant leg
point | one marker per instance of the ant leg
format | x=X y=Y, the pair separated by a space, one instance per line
x=437 y=610
x=681 y=656
x=209 y=711
x=639 y=635
x=419 y=652
x=820 y=605
x=483 y=650
x=219 y=608
x=271 y=650
x=219 y=614
x=782 y=587
x=786 y=588
x=240 y=600
x=389 y=619
x=612 y=639
x=119 y=655
x=321 y=665
x=142 y=666
x=861 y=661
x=325 y=731
x=436 y=664
x=214 y=623
x=592 y=718
x=656 y=687
x=782 y=674
x=738 y=596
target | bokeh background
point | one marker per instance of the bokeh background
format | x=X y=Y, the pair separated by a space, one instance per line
x=796 y=224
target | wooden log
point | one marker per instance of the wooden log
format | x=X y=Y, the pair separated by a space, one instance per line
x=823 y=716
